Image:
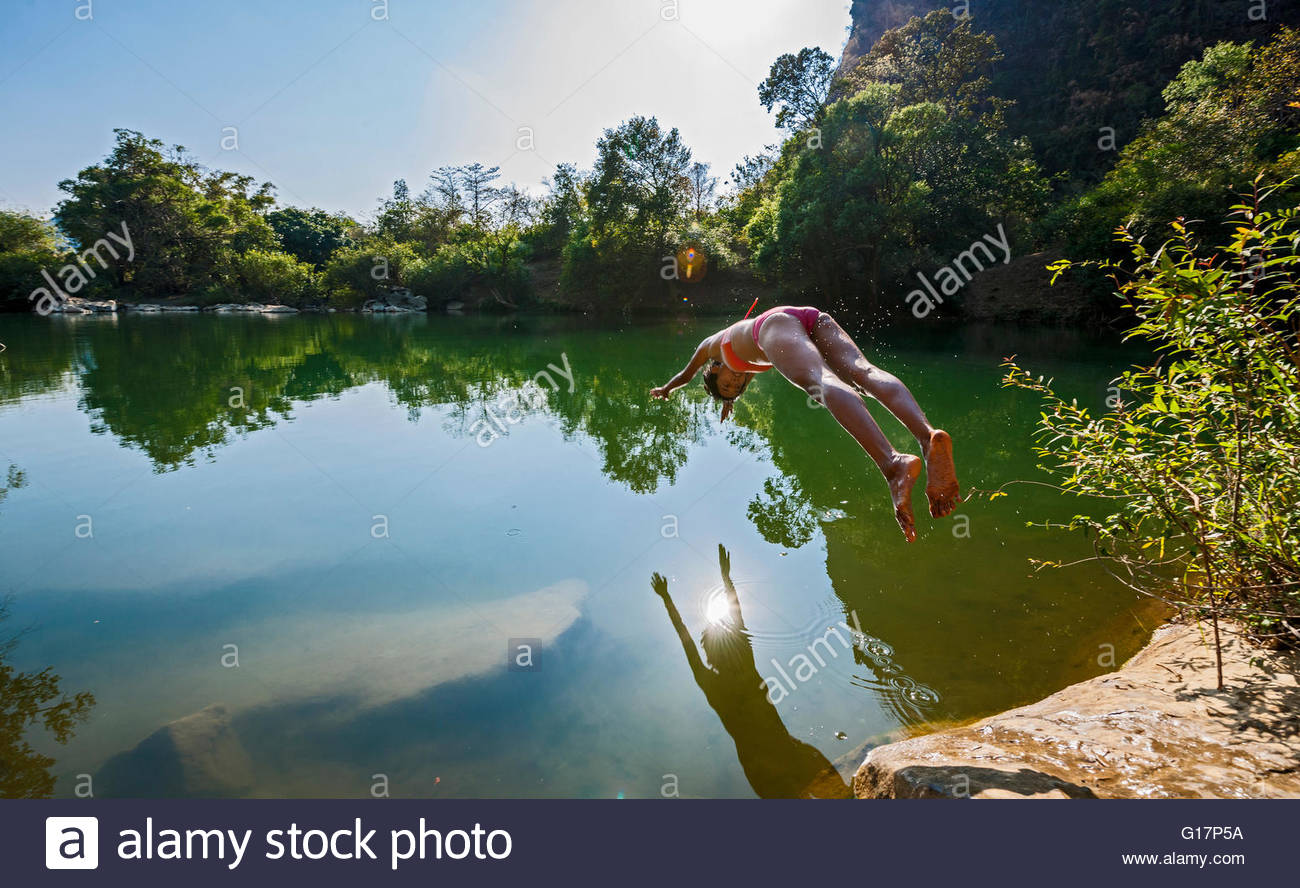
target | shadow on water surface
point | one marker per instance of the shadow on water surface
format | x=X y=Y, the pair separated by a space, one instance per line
x=776 y=764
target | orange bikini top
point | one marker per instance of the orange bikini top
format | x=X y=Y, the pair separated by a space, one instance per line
x=737 y=363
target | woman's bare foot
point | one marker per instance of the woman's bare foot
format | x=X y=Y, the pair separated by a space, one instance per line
x=941 y=475
x=901 y=475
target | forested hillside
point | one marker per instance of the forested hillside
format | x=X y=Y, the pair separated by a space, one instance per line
x=1076 y=69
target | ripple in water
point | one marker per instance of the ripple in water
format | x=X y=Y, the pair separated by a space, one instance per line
x=763 y=625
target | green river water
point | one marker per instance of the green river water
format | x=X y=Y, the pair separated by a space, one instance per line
x=366 y=554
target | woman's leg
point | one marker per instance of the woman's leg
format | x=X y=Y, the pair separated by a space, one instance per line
x=793 y=353
x=845 y=358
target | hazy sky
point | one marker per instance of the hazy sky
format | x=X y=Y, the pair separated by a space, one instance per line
x=331 y=102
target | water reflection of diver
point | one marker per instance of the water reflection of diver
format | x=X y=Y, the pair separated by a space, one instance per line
x=776 y=764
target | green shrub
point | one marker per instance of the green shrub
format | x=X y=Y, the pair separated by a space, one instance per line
x=1200 y=458
x=27 y=245
x=271 y=276
x=440 y=277
x=367 y=271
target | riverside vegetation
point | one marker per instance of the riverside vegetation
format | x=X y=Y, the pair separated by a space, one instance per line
x=890 y=166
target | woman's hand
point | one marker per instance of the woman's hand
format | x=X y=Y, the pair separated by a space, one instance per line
x=662 y=392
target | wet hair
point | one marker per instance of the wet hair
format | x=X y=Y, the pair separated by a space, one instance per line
x=710 y=380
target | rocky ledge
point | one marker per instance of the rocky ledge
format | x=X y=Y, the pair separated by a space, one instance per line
x=1156 y=728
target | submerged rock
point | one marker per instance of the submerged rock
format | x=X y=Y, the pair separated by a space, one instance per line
x=1157 y=728
x=198 y=755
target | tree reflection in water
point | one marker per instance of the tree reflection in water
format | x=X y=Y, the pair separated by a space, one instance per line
x=30 y=700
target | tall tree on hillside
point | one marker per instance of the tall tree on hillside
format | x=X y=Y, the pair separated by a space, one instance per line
x=702 y=187
x=396 y=213
x=562 y=209
x=798 y=83
x=480 y=193
x=938 y=58
x=909 y=171
x=443 y=192
x=639 y=184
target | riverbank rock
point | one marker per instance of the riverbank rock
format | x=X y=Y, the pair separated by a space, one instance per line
x=76 y=305
x=399 y=300
x=185 y=308
x=279 y=309
x=1157 y=728
x=146 y=307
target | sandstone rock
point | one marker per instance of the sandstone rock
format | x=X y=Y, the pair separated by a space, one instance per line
x=279 y=309
x=1157 y=728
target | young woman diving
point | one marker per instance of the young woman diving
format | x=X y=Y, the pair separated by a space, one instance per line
x=811 y=350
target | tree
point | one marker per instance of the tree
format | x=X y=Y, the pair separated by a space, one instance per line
x=186 y=222
x=311 y=235
x=27 y=700
x=1229 y=116
x=799 y=83
x=752 y=170
x=27 y=245
x=938 y=58
x=480 y=193
x=702 y=187
x=562 y=209
x=1194 y=467
x=639 y=186
x=444 y=192
x=396 y=213
x=906 y=172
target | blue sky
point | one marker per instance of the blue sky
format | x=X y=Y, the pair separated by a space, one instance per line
x=331 y=101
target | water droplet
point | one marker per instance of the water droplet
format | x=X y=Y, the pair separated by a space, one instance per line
x=513 y=532
x=840 y=735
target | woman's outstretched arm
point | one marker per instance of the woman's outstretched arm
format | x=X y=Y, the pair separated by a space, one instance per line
x=698 y=360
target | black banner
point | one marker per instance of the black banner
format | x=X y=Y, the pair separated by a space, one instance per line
x=337 y=842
